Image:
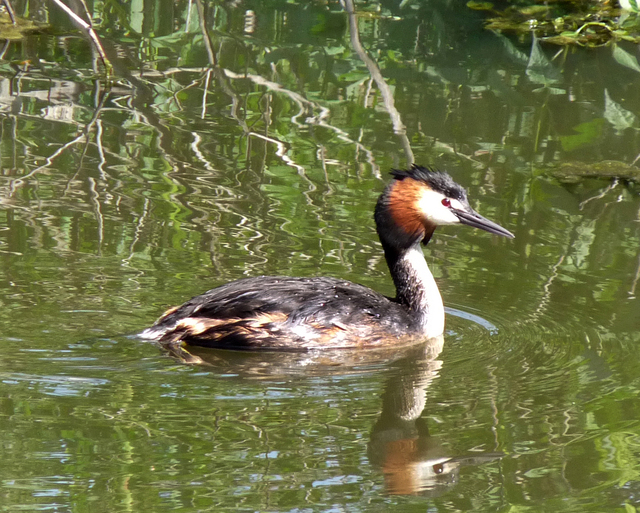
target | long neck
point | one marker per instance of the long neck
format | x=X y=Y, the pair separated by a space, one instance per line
x=416 y=288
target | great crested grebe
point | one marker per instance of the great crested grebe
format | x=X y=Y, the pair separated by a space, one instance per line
x=300 y=314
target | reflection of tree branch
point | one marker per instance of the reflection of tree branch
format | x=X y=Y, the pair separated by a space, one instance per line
x=14 y=184
x=49 y=160
x=301 y=101
x=195 y=147
x=89 y=29
x=188 y=16
x=602 y=194
x=281 y=151
x=222 y=76
x=387 y=96
x=10 y=11
x=204 y=94
x=226 y=87
x=103 y=159
x=142 y=101
x=4 y=48
x=205 y=34
x=546 y=295
x=318 y=120
x=632 y=291
x=94 y=197
x=137 y=234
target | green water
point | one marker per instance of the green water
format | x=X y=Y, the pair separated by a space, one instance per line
x=119 y=201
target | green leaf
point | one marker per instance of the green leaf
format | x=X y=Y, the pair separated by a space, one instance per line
x=480 y=6
x=625 y=58
x=630 y=5
x=541 y=70
x=587 y=134
x=619 y=117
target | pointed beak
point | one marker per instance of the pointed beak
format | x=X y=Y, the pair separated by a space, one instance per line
x=472 y=218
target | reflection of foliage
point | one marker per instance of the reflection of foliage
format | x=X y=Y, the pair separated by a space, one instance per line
x=10 y=31
x=564 y=23
x=120 y=201
x=575 y=172
x=294 y=116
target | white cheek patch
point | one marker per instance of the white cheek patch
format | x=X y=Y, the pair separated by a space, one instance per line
x=456 y=204
x=431 y=208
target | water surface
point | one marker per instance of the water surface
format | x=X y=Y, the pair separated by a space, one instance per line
x=119 y=201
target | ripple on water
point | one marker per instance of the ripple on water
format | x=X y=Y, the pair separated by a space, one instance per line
x=535 y=386
x=57 y=385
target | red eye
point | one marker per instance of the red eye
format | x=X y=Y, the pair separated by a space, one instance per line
x=446 y=202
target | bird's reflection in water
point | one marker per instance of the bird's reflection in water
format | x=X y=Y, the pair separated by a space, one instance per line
x=412 y=461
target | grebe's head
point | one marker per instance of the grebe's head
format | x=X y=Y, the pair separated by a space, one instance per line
x=418 y=200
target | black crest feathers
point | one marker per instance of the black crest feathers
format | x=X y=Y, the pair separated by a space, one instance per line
x=436 y=180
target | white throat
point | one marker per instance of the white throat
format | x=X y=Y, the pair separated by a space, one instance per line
x=423 y=290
